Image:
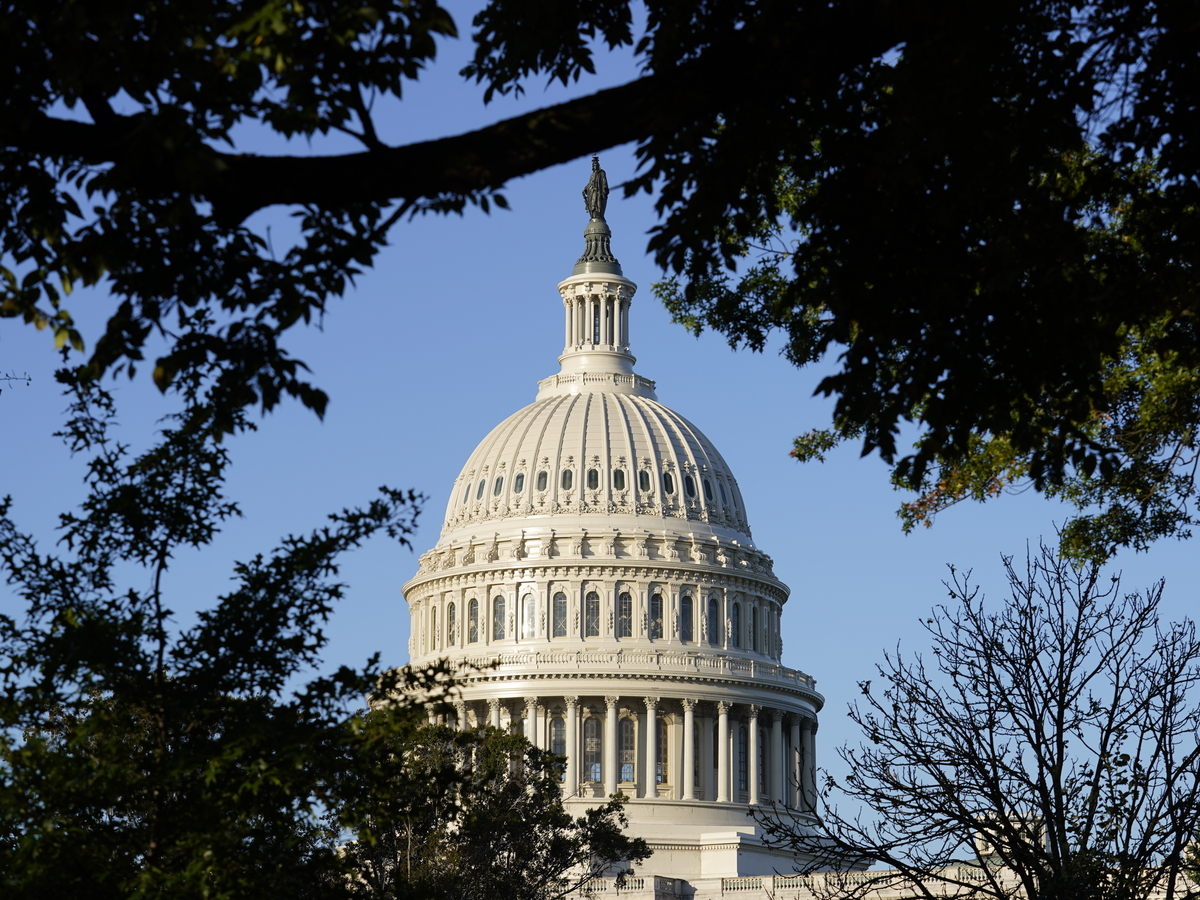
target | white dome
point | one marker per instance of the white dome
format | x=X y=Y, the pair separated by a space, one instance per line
x=599 y=454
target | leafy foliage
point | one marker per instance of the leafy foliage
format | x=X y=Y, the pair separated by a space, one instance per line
x=479 y=814
x=139 y=757
x=1052 y=740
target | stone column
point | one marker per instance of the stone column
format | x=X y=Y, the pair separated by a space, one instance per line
x=651 y=747
x=808 y=766
x=752 y=752
x=723 y=752
x=795 y=792
x=494 y=712
x=610 y=747
x=460 y=713
x=531 y=729
x=778 y=786
x=689 y=749
x=572 y=745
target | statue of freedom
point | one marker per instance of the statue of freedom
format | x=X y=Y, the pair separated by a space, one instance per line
x=595 y=195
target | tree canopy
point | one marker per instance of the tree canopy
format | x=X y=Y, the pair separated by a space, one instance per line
x=994 y=205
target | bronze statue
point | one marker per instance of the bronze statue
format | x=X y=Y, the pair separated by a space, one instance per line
x=595 y=195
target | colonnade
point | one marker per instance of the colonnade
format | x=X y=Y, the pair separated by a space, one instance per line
x=712 y=749
x=597 y=320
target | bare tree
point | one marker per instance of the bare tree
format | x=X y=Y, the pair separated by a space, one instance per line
x=1052 y=741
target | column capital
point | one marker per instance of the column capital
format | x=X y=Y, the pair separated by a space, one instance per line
x=689 y=703
x=777 y=715
x=494 y=704
x=753 y=711
x=652 y=702
x=572 y=702
x=724 y=706
x=530 y=701
x=611 y=702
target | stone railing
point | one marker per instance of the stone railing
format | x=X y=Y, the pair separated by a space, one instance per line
x=667 y=888
x=645 y=661
x=881 y=885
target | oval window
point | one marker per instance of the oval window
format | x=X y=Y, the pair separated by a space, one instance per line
x=722 y=489
x=708 y=490
x=644 y=481
x=542 y=480
x=593 y=479
x=519 y=483
x=466 y=492
x=618 y=479
x=568 y=478
x=689 y=485
x=498 y=487
x=479 y=492
x=668 y=483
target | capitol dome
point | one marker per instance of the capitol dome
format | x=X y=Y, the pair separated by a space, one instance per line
x=597 y=586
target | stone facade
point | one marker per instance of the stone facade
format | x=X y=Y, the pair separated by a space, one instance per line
x=596 y=550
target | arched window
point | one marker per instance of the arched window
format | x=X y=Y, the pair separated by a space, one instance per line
x=593 y=479
x=568 y=478
x=624 y=615
x=473 y=621
x=714 y=623
x=543 y=480
x=743 y=759
x=466 y=492
x=519 y=483
x=479 y=492
x=660 y=753
x=689 y=485
x=498 y=486
x=558 y=744
x=591 y=749
x=451 y=625
x=656 y=617
x=560 y=614
x=686 y=615
x=735 y=625
x=754 y=628
x=433 y=632
x=626 y=741
x=668 y=483
x=498 y=619
x=591 y=615
x=708 y=490
x=529 y=617
x=618 y=477
x=644 y=482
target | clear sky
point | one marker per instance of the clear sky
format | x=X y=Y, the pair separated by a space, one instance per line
x=449 y=334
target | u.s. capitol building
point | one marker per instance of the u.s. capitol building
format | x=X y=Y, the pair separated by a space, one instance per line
x=597 y=546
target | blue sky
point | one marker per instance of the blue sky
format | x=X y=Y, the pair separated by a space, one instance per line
x=449 y=334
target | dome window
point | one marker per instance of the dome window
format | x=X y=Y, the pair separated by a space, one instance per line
x=721 y=487
x=479 y=490
x=714 y=624
x=689 y=485
x=560 y=614
x=498 y=619
x=451 y=625
x=466 y=492
x=529 y=617
x=543 y=480
x=644 y=482
x=686 y=614
x=708 y=490
x=735 y=625
x=593 y=479
x=618 y=477
x=656 y=617
x=519 y=483
x=624 y=615
x=591 y=615
x=498 y=487
x=568 y=478
x=473 y=622
x=668 y=483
